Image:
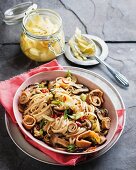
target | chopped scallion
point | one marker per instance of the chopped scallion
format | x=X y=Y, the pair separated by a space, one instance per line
x=71 y=148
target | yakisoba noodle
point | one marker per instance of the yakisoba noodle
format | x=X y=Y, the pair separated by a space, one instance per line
x=65 y=114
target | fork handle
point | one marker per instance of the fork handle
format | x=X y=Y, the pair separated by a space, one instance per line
x=117 y=75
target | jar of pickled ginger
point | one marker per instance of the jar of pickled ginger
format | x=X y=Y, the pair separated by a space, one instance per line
x=42 y=38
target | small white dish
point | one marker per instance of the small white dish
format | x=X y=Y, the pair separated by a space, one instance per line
x=101 y=51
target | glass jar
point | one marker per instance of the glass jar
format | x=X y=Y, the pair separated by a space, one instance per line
x=42 y=38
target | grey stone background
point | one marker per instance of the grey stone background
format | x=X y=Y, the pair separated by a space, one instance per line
x=112 y=20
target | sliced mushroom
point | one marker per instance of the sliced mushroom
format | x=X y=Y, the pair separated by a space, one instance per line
x=60 y=108
x=80 y=90
x=45 y=82
x=51 y=84
x=29 y=122
x=58 y=112
x=46 y=139
x=106 y=121
x=89 y=124
x=21 y=108
x=56 y=140
x=99 y=114
x=104 y=112
x=78 y=86
x=31 y=85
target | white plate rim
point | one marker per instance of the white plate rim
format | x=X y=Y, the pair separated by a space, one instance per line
x=110 y=85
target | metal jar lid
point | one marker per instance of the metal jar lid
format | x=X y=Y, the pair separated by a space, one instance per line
x=16 y=13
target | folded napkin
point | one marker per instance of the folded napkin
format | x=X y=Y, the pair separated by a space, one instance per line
x=7 y=92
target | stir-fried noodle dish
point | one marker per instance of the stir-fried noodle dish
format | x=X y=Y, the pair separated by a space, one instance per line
x=65 y=114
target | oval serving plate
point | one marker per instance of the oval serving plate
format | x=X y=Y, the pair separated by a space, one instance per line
x=52 y=75
x=14 y=133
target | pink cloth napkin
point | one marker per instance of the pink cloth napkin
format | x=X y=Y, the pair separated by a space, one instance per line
x=7 y=92
x=120 y=120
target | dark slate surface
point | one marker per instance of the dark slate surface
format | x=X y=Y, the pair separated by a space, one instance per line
x=112 y=20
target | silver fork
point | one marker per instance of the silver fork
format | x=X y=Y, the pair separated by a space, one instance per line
x=116 y=74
